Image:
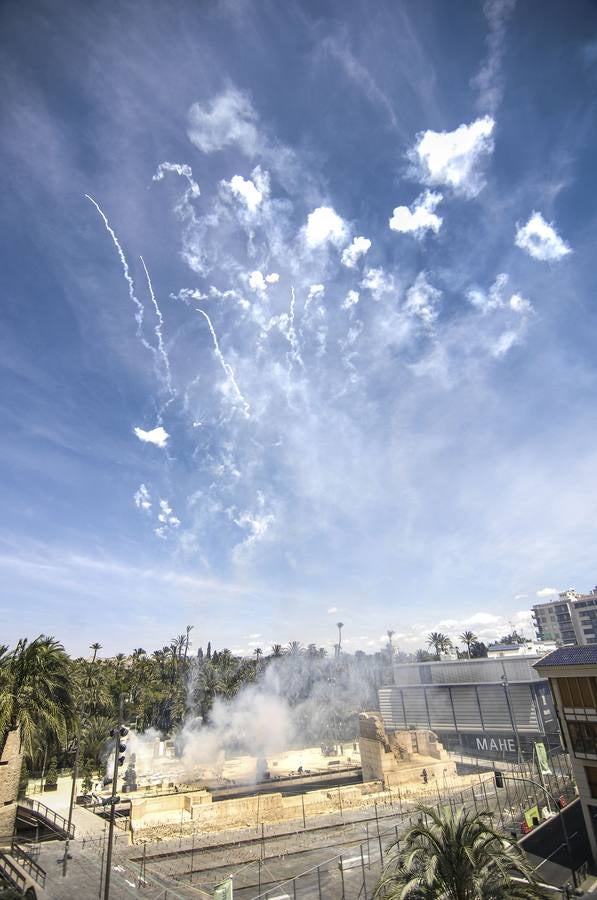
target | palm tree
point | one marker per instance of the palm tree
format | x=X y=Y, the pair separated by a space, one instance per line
x=258 y=653
x=295 y=648
x=456 y=855
x=390 y=634
x=35 y=691
x=468 y=638
x=277 y=650
x=95 y=647
x=440 y=642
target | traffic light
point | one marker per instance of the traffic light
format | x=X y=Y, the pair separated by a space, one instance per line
x=120 y=748
x=499 y=779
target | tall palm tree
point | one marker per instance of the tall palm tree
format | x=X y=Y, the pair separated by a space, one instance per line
x=277 y=650
x=35 y=691
x=440 y=642
x=390 y=633
x=468 y=638
x=95 y=647
x=258 y=653
x=456 y=855
x=295 y=648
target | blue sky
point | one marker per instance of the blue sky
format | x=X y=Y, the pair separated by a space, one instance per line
x=355 y=378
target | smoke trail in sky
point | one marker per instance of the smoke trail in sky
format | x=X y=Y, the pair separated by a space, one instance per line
x=295 y=352
x=228 y=369
x=158 y=332
x=127 y=276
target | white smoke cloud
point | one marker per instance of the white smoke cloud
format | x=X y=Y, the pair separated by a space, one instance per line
x=351 y=299
x=142 y=498
x=157 y=436
x=325 y=225
x=167 y=519
x=183 y=170
x=257 y=281
x=420 y=218
x=229 y=119
x=422 y=300
x=246 y=191
x=378 y=282
x=351 y=254
x=453 y=158
x=540 y=239
x=489 y=80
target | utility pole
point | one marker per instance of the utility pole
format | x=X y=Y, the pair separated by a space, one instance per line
x=113 y=799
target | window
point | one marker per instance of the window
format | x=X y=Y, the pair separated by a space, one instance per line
x=583 y=737
x=591 y=773
x=578 y=692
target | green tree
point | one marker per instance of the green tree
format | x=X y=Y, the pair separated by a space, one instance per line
x=468 y=638
x=95 y=647
x=440 y=642
x=456 y=856
x=35 y=691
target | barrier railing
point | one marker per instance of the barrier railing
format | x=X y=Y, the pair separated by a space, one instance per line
x=50 y=815
x=12 y=873
x=29 y=865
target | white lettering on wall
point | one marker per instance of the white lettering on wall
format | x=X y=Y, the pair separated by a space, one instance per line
x=501 y=744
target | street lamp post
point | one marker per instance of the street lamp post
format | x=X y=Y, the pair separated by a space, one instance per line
x=506 y=685
x=500 y=776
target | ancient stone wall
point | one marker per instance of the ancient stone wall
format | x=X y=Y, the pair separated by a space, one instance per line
x=400 y=757
x=10 y=772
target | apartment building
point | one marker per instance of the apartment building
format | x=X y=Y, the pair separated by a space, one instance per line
x=571 y=619
x=572 y=676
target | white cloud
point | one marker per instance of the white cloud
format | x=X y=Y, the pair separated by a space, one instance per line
x=332 y=609
x=547 y=592
x=142 y=498
x=257 y=281
x=352 y=298
x=453 y=158
x=246 y=191
x=378 y=282
x=168 y=521
x=422 y=300
x=540 y=239
x=420 y=218
x=158 y=436
x=272 y=278
x=323 y=225
x=226 y=120
x=351 y=255
x=256 y=525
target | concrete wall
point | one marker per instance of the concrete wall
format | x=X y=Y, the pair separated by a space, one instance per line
x=10 y=772
x=241 y=812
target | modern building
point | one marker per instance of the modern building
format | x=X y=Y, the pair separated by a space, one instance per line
x=572 y=674
x=571 y=619
x=479 y=707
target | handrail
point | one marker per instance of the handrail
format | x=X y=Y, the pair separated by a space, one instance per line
x=48 y=813
x=14 y=875
x=31 y=867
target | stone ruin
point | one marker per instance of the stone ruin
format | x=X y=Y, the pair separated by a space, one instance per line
x=400 y=757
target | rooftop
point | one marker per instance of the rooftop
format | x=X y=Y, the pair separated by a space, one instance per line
x=570 y=656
